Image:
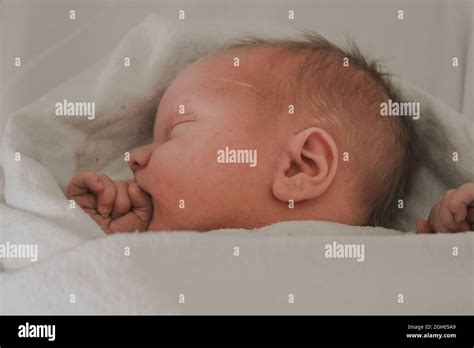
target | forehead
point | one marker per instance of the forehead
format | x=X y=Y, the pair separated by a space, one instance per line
x=241 y=67
x=215 y=83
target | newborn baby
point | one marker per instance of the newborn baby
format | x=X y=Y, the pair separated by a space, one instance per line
x=268 y=131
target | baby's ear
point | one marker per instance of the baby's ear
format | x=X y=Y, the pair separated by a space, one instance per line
x=307 y=166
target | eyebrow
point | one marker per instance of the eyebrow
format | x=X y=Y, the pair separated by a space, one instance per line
x=243 y=84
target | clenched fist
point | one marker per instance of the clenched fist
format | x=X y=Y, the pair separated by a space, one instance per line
x=454 y=213
x=117 y=206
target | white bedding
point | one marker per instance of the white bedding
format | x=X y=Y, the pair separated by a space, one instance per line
x=75 y=258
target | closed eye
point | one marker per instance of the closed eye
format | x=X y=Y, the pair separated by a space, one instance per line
x=179 y=120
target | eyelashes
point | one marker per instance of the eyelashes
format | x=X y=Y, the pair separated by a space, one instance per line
x=177 y=126
x=179 y=120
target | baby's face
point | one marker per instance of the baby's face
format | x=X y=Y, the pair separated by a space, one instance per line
x=212 y=105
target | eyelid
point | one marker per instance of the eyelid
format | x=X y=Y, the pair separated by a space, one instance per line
x=181 y=118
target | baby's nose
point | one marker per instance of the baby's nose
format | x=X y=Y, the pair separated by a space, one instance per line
x=139 y=158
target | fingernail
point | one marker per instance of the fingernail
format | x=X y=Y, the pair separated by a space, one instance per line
x=457 y=218
x=105 y=210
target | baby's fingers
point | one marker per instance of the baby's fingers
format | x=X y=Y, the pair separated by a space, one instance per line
x=142 y=205
x=122 y=203
x=423 y=227
x=470 y=215
x=106 y=197
x=468 y=224
x=470 y=218
x=83 y=183
x=460 y=202
x=445 y=220
x=139 y=218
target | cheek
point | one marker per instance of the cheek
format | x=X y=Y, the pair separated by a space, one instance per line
x=186 y=168
x=181 y=169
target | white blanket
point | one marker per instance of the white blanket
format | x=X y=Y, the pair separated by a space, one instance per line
x=78 y=264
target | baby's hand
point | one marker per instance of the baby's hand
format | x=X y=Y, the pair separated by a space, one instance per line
x=116 y=206
x=454 y=213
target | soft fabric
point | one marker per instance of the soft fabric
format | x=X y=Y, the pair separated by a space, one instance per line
x=76 y=258
x=273 y=263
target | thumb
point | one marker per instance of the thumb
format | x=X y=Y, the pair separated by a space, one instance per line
x=141 y=202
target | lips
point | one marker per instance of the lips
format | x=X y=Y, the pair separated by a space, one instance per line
x=139 y=183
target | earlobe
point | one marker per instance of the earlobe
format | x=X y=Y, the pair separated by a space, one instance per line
x=307 y=167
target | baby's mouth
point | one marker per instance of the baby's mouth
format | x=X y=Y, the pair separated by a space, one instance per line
x=138 y=182
x=142 y=188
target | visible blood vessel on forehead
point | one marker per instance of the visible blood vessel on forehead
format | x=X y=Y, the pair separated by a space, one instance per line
x=252 y=87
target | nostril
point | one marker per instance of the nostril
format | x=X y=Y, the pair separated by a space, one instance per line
x=139 y=158
x=134 y=165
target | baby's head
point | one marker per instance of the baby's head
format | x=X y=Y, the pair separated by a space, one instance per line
x=268 y=131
